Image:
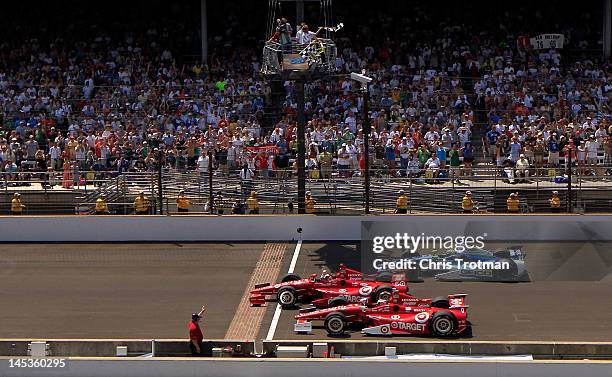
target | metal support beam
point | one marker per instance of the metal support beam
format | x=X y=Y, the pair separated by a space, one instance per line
x=366 y=145
x=301 y=139
x=204 y=28
x=607 y=28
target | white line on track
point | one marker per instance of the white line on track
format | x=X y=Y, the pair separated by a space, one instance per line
x=278 y=310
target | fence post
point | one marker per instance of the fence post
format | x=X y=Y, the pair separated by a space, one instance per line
x=494 y=188
x=410 y=196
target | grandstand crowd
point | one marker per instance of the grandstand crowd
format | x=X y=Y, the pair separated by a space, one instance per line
x=449 y=96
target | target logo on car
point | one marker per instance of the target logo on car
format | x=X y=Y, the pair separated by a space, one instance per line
x=385 y=330
x=421 y=317
x=365 y=290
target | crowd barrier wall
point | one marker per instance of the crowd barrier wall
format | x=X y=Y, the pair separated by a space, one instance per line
x=194 y=228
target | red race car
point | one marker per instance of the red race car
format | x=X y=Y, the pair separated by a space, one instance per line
x=334 y=296
x=346 y=282
x=395 y=319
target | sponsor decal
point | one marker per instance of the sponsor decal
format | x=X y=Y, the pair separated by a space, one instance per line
x=455 y=302
x=365 y=290
x=385 y=329
x=395 y=317
x=348 y=298
x=421 y=317
x=277 y=285
x=408 y=326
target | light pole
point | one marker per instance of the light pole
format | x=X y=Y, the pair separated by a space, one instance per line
x=160 y=188
x=301 y=152
x=211 y=139
x=365 y=90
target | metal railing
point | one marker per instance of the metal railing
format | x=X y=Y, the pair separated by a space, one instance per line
x=335 y=191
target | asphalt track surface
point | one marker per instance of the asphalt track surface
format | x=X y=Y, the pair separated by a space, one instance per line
x=149 y=291
x=120 y=290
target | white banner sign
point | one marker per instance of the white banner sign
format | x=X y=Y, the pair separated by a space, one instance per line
x=547 y=41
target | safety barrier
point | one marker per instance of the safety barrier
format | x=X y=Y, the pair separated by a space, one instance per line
x=204 y=228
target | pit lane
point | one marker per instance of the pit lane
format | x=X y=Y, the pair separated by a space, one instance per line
x=546 y=309
x=121 y=290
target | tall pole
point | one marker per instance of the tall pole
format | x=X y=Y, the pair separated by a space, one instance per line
x=210 y=175
x=607 y=28
x=301 y=140
x=204 y=30
x=160 y=189
x=569 y=178
x=366 y=145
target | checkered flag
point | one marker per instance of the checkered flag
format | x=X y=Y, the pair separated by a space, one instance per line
x=312 y=53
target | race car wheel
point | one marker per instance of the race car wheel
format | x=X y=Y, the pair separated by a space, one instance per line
x=290 y=277
x=337 y=302
x=384 y=292
x=440 y=302
x=286 y=297
x=335 y=323
x=442 y=324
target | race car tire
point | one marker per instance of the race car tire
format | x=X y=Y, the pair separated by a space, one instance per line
x=290 y=277
x=442 y=324
x=287 y=297
x=335 y=323
x=506 y=274
x=337 y=302
x=384 y=292
x=440 y=302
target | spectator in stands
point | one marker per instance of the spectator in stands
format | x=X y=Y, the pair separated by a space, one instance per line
x=433 y=165
x=522 y=169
